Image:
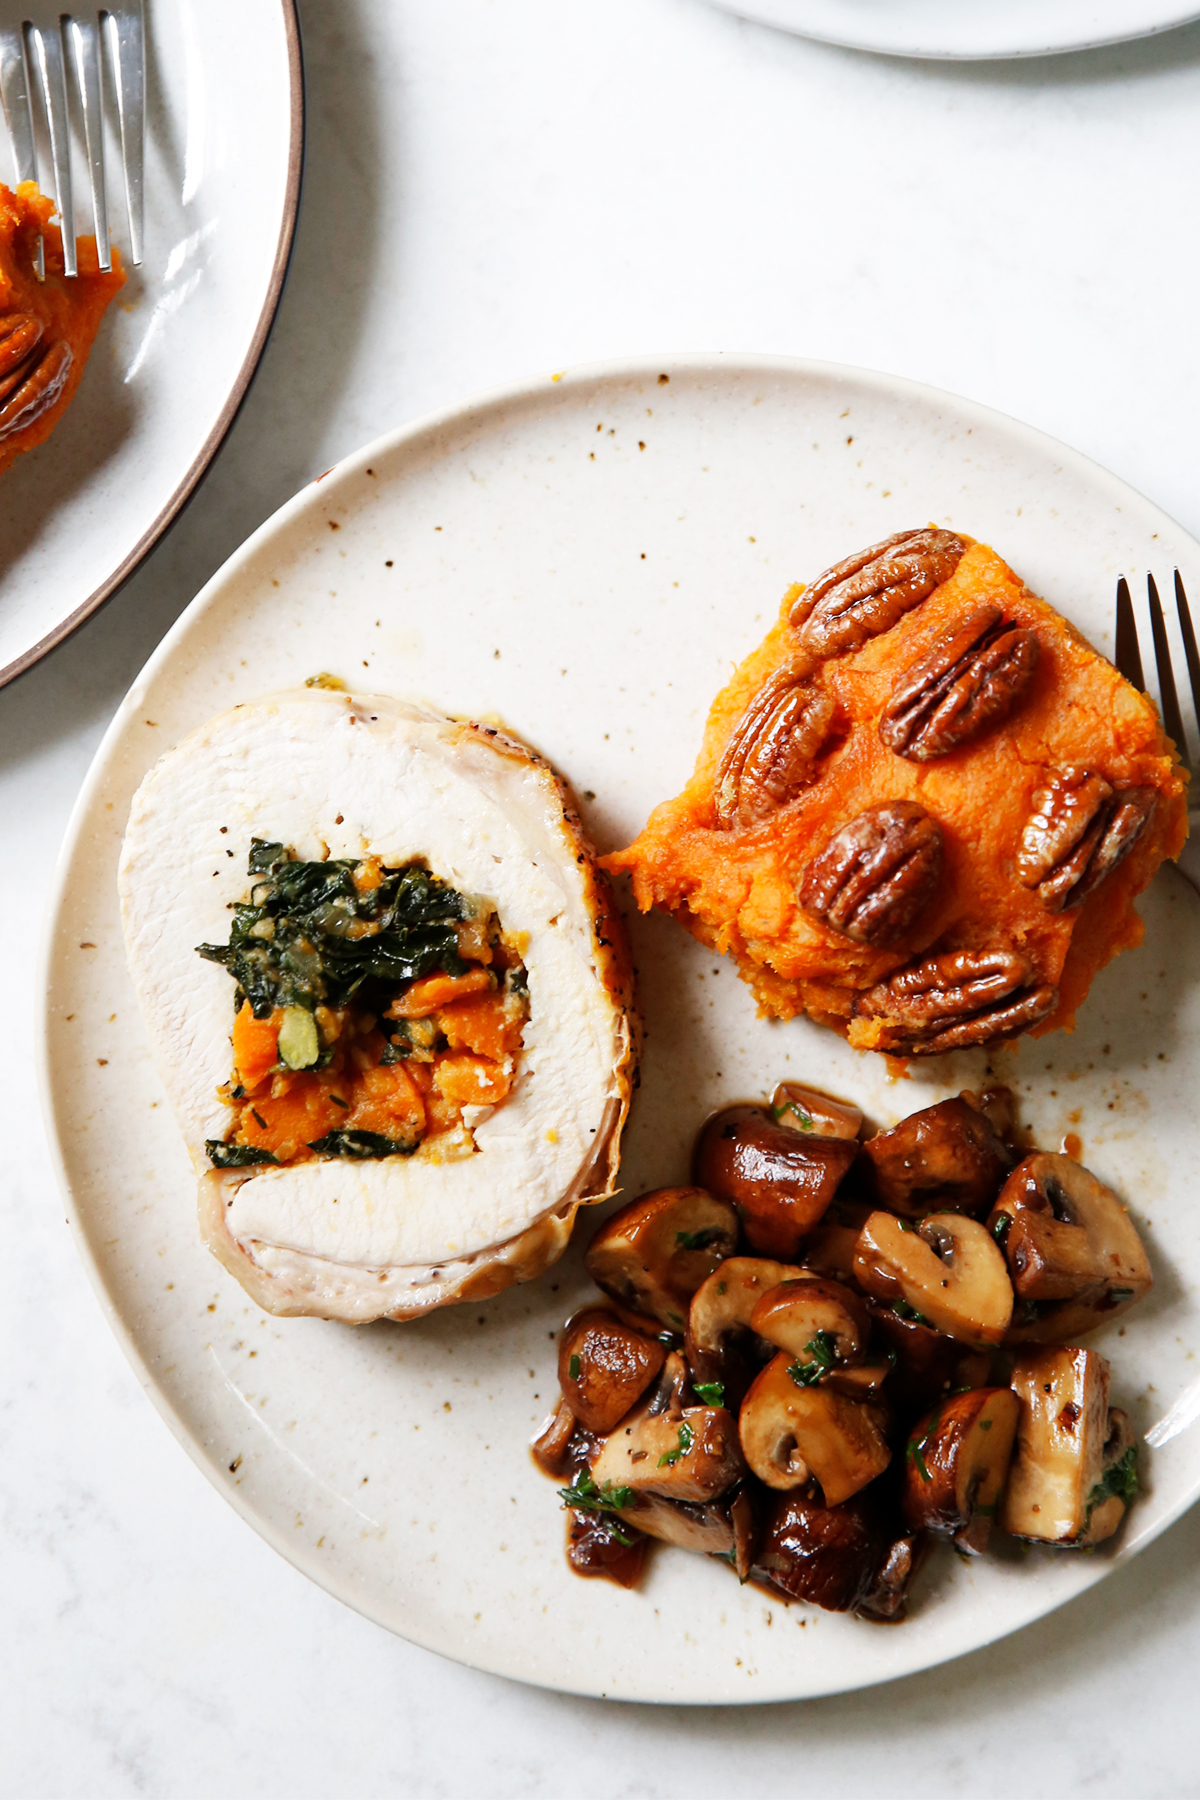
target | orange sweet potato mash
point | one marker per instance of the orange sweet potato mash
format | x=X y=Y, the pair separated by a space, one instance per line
x=46 y=327
x=922 y=808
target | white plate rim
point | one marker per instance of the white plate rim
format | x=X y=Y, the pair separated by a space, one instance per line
x=348 y=469
x=240 y=389
x=773 y=14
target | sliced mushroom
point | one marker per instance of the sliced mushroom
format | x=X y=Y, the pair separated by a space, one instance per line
x=863 y=1382
x=665 y=1448
x=595 y=1547
x=886 y=1600
x=818 y=1322
x=927 y=1364
x=728 y=1527
x=1074 y=1472
x=814 y=1114
x=781 y=1181
x=999 y=1106
x=705 y=1527
x=745 y=1515
x=945 y=1158
x=792 y=1434
x=654 y=1253
x=1070 y=1247
x=604 y=1367
x=956 y=1464
x=948 y=1269
x=549 y=1447
x=829 y=1250
x=720 y=1345
x=829 y=1556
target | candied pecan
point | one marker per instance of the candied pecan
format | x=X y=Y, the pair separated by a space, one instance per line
x=865 y=595
x=34 y=385
x=874 y=876
x=1077 y=833
x=969 y=681
x=954 y=999
x=769 y=758
x=20 y=334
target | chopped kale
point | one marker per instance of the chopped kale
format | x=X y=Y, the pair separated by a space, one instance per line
x=236 y=1156
x=307 y=937
x=358 y=1146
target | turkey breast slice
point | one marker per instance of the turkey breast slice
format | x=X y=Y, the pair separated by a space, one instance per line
x=339 y=775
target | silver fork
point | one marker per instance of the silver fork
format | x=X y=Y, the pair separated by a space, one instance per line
x=1128 y=658
x=35 y=59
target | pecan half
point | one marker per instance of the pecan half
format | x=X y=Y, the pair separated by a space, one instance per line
x=969 y=682
x=1077 y=833
x=955 y=999
x=29 y=385
x=20 y=334
x=770 y=756
x=874 y=876
x=865 y=595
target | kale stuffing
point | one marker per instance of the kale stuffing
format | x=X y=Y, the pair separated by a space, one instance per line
x=359 y=1145
x=307 y=937
x=236 y=1156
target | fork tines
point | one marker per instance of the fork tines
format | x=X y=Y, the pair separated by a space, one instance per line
x=35 y=58
x=1128 y=656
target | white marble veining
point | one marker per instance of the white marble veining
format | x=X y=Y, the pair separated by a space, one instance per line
x=494 y=188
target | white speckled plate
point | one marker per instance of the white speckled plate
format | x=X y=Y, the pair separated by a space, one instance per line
x=968 y=29
x=585 y=556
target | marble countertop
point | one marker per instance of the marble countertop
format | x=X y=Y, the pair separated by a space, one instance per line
x=495 y=188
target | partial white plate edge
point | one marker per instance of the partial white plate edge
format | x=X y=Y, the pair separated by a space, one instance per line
x=775 y=13
x=349 y=469
x=238 y=393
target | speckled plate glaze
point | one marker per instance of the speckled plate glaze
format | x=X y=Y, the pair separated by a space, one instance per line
x=584 y=557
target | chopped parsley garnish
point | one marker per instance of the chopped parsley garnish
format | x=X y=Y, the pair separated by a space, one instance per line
x=670 y=1457
x=1120 y=1478
x=308 y=937
x=822 y=1353
x=573 y=1368
x=711 y=1392
x=916 y=1447
x=236 y=1156
x=361 y=1145
x=698 y=1240
x=903 y=1310
x=804 y=1120
x=1001 y=1228
x=584 y=1496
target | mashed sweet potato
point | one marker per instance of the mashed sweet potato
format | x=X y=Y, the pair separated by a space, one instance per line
x=46 y=327
x=922 y=808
